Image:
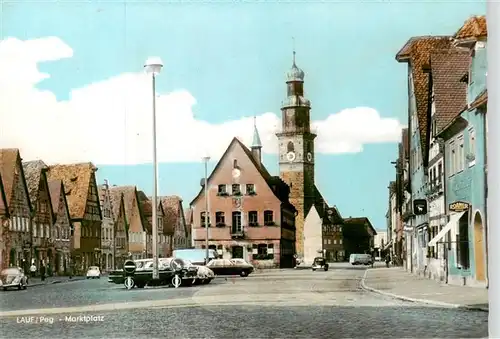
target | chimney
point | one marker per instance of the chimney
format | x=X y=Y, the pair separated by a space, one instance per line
x=106 y=185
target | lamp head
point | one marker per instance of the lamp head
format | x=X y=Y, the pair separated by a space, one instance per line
x=153 y=65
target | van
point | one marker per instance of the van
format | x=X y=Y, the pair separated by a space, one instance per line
x=360 y=259
x=196 y=256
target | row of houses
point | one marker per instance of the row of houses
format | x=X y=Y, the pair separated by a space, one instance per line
x=59 y=216
x=437 y=217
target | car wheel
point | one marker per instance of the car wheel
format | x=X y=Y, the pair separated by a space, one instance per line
x=5 y=288
x=20 y=287
x=243 y=273
x=326 y=268
x=88 y=277
x=207 y=281
x=314 y=269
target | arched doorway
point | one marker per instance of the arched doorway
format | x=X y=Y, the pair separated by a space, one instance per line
x=110 y=262
x=479 y=258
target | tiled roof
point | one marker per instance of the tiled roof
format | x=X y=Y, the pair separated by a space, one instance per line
x=33 y=173
x=3 y=200
x=172 y=206
x=116 y=200
x=450 y=93
x=76 y=179
x=332 y=215
x=278 y=186
x=319 y=202
x=359 y=221
x=147 y=211
x=129 y=196
x=417 y=53
x=473 y=27
x=8 y=162
x=55 y=187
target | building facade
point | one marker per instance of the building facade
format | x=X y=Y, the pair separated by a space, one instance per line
x=43 y=218
x=108 y=228
x=250 y=215
x=333 y=237
x=176 y=228
x=416 y=54
x=62 y=228
x=121 y=249
x=466 y=163
x=4 y=227
x=147 y=209
x=358 y=236
x=18 y=244
x=84 y=206
x=136 y=228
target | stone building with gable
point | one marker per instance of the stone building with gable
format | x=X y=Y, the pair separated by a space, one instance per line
x=176 y=228
x=85 y=211
x=18 y=245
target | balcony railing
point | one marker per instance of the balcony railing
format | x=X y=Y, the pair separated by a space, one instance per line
x=237 y=232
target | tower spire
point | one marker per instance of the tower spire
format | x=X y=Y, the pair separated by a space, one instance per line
x=256 y=143
x=293 y=50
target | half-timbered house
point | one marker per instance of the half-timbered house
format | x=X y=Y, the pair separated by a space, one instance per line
x=84 y=206
x=42 y=222
x=176 y=226
x=61 y=228
x=147 y=209
x=18 y=248
x=108 y=229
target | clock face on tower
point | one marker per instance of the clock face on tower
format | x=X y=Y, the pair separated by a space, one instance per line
x=309 y=156
x=290 y=156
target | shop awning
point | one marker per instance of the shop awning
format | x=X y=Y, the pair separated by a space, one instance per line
x=454 y=218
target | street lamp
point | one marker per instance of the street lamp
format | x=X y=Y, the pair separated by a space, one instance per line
x=206 y=159
x=153 y=67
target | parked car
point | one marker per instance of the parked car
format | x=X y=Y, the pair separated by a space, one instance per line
x=168 y=268
x=360 y=259
x=93 y=272
x=320 y=263
x=230 y=267
x=13 y=277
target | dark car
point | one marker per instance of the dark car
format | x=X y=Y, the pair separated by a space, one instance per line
x=319 y=263
x=230 y=267
x=168 y=269
x=13 y=277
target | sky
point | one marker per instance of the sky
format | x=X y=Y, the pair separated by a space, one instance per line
x=73 y=88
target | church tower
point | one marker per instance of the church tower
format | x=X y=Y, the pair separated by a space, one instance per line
x=296 y=150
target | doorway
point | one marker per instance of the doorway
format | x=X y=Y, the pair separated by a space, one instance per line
x=479 y=248
x=237 y=252
x=463 y=241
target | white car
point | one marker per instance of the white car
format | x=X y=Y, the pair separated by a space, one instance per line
x=204 y=275
x=93 y=272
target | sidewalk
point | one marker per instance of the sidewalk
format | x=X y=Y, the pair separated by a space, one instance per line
x=32 y=282
x=397 y=283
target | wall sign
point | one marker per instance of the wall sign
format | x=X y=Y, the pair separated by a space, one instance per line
x=459 y=206
x=420 y=206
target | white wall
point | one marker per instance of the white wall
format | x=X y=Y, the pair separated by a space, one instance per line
x=380 y=239
x=313 y=237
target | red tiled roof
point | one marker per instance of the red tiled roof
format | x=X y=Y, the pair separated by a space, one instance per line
x=417 y=52
x=450 y=93
x=474 y=27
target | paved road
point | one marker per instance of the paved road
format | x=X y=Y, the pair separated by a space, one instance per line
x=272 y=304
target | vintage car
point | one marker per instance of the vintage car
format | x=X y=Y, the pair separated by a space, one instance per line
x=13 y=277
x=93 y=272
x=230 y=267
x=169 y=270
x=204 y=274
x=319 y=263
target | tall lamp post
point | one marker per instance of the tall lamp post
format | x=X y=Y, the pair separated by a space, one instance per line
x=206 y=159
x=153 y=67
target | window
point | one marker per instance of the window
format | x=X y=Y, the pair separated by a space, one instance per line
x=340 y=241
x=290 y=147
x=220 y=219
x=471 y=156
x=253 y=218
x=34 y=230
x=335 y=241
x=268 y=218
x=236 y=221
x=203 y=221
x=439 y=172
x=235 y=163
x=325 y=241
x=460 y=155
x=453 y=159
x=329 y=241
x=236 y=189
x=263 y=252
x=250 y=189
x=222 y=190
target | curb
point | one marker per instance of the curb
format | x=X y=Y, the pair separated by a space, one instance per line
x=421 y=301
x=54 y=282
